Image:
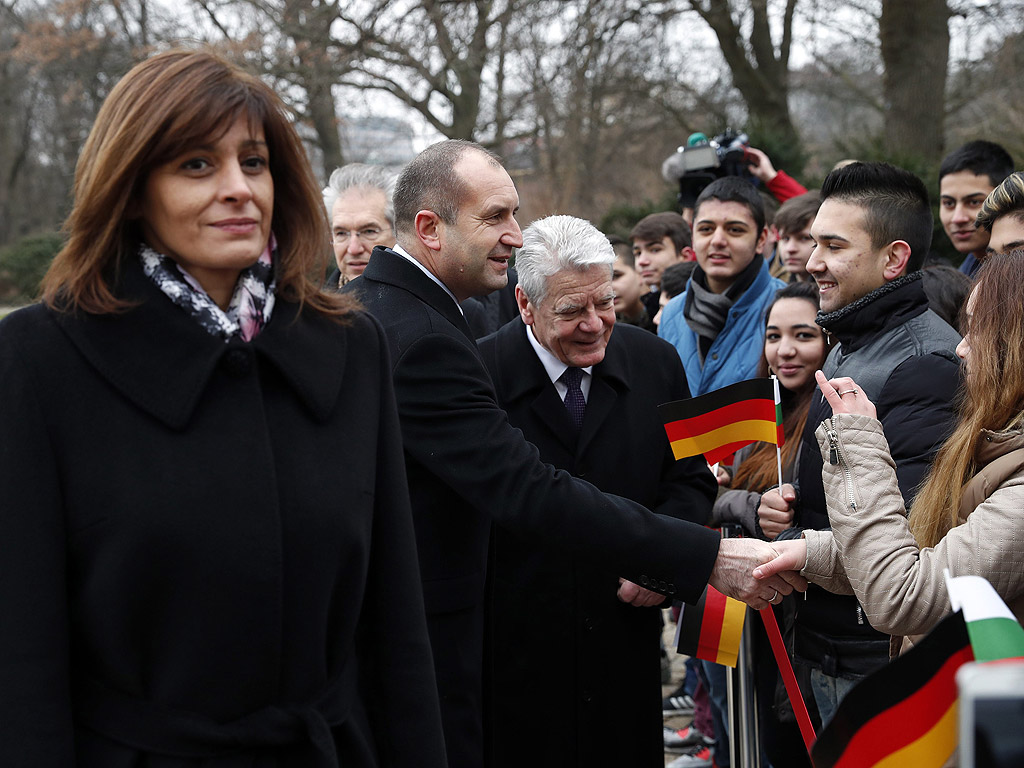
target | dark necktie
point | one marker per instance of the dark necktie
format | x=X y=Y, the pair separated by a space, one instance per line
x=574 y=401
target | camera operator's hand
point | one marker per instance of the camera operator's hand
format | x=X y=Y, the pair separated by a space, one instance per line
x=760 y=164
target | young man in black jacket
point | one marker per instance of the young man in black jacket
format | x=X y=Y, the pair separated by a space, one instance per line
x=871 y=235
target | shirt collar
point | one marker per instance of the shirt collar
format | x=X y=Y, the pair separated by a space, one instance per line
x=554 y=367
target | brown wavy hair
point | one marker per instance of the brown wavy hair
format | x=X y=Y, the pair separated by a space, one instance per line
x=759 y=470
x=991 y=397
x=161 y=108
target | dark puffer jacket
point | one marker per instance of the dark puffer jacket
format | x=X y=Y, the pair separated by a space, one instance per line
x=901 y=354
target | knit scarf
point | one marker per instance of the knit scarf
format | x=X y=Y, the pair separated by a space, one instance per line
x=251 y=303
x=706 y=311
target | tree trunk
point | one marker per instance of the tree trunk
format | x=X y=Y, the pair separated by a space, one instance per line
x=914 y=36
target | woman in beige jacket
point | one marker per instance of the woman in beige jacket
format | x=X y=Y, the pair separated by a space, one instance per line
x=969 y=514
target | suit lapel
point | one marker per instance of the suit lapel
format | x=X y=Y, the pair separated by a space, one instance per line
x=609 y=380
x=522 y=378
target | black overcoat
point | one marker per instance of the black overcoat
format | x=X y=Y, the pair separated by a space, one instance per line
x=208 y=555
x=576 y=673
x=466 y=466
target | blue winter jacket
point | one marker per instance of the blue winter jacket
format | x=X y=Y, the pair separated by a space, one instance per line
x=736 y=352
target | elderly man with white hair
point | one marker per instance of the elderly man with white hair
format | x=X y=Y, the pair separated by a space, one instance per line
x=360 y=207
x=571 y=663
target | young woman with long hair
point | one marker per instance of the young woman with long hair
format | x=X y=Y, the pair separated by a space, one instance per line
x=205 y=523
x=967 y=517
x=794 y=348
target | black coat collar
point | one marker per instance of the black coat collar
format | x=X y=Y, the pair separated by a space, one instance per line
x=525 y=377
x=161 y=360
x=386 y=266
x=884 y=308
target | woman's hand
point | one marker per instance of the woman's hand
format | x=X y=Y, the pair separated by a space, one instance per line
x=775 y=512
x=723 y=476
x=845 y=396
x=792 y=557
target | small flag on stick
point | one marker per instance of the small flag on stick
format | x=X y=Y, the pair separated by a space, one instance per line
x=992 y=627
x=721 y=422
x=711 y=629
x=905 y=713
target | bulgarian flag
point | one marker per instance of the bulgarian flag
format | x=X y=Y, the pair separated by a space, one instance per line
x=721 y=422
x=711 y=629
x=993 y=629
x=905 y=714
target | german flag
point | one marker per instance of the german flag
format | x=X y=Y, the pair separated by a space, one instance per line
x=905 y=713
x=721 y=422
x=712 y=628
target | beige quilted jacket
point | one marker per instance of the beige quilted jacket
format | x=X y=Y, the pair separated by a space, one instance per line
x=871 y=552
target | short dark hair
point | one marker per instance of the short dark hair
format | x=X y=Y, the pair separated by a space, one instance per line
x=797 y=213
x=895 y=204
x=656 y=226
x=675 y=277
x=982 y=158
x=429 y=182
x=733 y=189
x=1006 y=199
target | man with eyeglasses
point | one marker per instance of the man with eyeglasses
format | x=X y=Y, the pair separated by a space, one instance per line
x=362 y=214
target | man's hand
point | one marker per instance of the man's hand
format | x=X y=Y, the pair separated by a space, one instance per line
x=775 y=513
x=759 y=164
x=792 y=557
x=733 y=573
x=637 y=596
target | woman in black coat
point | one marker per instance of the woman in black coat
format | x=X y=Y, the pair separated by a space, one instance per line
x=208 y=556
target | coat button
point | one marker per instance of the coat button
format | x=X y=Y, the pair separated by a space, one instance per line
x=643 y=581
x=237 y=362
x=671 y=589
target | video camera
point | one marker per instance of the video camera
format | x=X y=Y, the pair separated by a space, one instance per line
x=702 y=161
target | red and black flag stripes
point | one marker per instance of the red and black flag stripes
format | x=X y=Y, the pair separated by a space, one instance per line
x=721 y=422
x=712 y=628
x=905 y=713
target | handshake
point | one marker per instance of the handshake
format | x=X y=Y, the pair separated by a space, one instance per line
x=757 y=572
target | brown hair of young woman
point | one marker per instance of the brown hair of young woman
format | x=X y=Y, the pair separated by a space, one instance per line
x=992 y=395
x=162 y=108
x=759 y=470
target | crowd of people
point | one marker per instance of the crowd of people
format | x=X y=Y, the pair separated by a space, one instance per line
x=424 y=511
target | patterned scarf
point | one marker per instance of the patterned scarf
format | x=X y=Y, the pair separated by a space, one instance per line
x=251 y=303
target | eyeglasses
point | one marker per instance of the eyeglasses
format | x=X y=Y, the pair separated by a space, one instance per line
x=368 y=235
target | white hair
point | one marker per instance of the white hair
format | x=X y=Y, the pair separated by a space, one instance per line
x=555 y=243
x=362 y=176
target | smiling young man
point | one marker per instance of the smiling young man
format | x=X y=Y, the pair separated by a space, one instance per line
x=871 y=235
x=717 y=324
x=966 y=177
x=548 y=708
